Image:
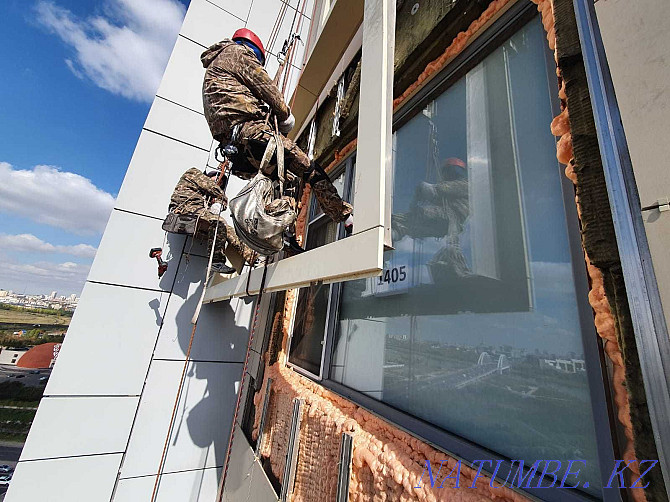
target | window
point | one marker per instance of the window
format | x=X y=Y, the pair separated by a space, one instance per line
x=478 y=328
x=308 y=331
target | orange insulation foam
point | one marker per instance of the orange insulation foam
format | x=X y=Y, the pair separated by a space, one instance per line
x=387 y=463
x=604 y=320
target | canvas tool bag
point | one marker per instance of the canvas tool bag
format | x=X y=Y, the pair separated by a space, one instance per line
x=258 y=216
x=180 y=223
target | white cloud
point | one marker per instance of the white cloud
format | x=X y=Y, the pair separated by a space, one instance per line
x=41 y=277
x=61 y=199
x=30 y=243
x=123 y=51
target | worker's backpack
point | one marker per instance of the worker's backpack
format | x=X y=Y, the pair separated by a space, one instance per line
x=259 y=217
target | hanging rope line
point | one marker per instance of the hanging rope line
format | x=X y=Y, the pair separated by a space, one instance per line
x=194 y=320
x=288 y=50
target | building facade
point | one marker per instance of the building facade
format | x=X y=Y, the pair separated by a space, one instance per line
x=510 y=340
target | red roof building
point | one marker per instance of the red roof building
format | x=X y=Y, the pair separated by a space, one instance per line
x=41 y=356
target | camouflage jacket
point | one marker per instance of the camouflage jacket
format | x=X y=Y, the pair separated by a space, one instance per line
x=235 y=87
x=192 y=190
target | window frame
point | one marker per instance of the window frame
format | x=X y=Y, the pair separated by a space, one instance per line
x=642 y=289
x=604 y=416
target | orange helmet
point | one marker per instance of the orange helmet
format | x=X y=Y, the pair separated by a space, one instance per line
x=250 y=36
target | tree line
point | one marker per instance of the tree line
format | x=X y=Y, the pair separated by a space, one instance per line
x=64 y=313
x=30 y=339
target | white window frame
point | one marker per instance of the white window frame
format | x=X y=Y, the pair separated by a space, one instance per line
x=361 y=255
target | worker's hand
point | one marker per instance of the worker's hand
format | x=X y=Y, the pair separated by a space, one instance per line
x=286 y=126
x=216 y=208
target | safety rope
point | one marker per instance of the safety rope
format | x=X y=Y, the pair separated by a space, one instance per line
x=305 y=43
x=194 y=320
x=283 y=65
x=275 y=145
x=277 y=26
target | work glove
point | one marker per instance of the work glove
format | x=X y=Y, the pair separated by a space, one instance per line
x=349 y=224
x=216 y=208
x=286 y=126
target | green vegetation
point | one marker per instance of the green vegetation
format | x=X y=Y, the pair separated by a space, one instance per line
x=16 y=308
x=28 y=340
x=16 y=391
x=13 y=318
x=19 y=404
x=15 y=424
x=8 y=436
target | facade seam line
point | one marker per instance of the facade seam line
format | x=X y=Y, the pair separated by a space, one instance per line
x=175 y=139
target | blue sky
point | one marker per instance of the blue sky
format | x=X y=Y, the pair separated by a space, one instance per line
x=77 y=78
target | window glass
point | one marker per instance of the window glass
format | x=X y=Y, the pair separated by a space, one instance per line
x=309 y=324
x=474 y=324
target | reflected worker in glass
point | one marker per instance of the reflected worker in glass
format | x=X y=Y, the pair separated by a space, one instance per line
x=440 y=210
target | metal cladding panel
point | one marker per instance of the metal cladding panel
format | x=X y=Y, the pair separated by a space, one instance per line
x=123 y=256
x=246 y=479
x=94 y=425
x=177 y=122
x=330 y=263
x=208 y=23
x=201 y=426
x=109 y=342
x=182 y=80
x=262 y=19
x=155 y=169
x=640 y=73
x=238 y=8
x=223 y=328
x=201 y=484
x=88 y=478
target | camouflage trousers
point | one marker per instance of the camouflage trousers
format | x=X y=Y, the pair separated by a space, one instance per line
x=224 y=235
x=298 y=163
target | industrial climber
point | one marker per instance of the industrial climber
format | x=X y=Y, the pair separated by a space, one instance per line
x=198 y=194
x=237 y=90
x=440 y=210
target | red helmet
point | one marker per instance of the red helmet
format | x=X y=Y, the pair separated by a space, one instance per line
x=250 y=36
x=454 y=161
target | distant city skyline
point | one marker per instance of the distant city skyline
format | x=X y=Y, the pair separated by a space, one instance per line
x=45 y=292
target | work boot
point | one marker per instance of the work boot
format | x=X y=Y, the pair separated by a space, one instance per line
x=315 y=174
x=220 y=267
x=291 y=243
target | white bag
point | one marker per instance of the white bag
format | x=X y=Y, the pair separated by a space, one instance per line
x=258 y=217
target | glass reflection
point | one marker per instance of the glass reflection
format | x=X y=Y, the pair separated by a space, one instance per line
x=474 y=324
